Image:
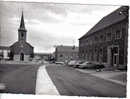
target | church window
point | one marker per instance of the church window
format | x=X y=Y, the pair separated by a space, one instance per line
x=22 y=34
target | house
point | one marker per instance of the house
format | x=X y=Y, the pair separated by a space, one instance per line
x=66 y=53
x=45 y=56
x=4 y=52
x=106 y=43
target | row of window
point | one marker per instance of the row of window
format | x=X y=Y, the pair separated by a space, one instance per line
x=88 y=51
x=107 y=37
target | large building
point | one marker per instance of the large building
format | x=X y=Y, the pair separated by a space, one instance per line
x=66 y=53
x=106 y=43
x=20 y=50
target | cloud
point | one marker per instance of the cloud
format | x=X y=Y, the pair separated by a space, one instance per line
x=49 y=24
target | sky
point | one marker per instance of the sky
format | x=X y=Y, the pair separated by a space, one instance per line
x=49 y=24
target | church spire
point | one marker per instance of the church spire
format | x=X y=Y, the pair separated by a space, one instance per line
x=22 y=25
x=22 y=31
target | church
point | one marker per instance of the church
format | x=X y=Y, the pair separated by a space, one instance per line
x=21 y=50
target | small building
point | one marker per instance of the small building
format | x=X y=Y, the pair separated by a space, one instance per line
x=4 y=52
x=44 y=56
x=66 y=53
x=21 y=50
x=106 y=43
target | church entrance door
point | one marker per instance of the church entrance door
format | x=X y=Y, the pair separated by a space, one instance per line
x=21 y=57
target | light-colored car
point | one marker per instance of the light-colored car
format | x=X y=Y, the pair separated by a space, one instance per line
x=77 y=64
x=2 y=87
x=72 y=63
x=61 y=63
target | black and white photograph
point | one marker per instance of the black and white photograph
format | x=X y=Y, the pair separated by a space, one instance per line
x=63 y=49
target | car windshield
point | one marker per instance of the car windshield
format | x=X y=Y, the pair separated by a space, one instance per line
x=72 y=61
x=84 y=63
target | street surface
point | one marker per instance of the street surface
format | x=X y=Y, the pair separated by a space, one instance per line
x=19 y=78
x=57 y=80
x=71 y=82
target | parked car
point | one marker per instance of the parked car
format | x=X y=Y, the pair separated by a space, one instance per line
x=72 y=63
x=61 y=63
x=77 y=64
x=89 y=65
x=86 y=65
x=122 y=68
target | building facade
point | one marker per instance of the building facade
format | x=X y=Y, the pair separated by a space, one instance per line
x=44 y=56
x=106 y=43
x=66 y=53
x=21 y=50
x=4 y=53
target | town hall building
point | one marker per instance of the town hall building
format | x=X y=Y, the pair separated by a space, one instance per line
x=107 y=42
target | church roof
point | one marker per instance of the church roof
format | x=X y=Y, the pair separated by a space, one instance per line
x=106 y=21
x=18 y=43
x=4 y=47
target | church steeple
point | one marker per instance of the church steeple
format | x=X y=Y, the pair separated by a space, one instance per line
x=22 y=31
x=22 y=25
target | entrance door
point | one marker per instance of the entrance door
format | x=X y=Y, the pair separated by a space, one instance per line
x=115 y=60
x=22 y=57
x=109 y=56
x=113 y=55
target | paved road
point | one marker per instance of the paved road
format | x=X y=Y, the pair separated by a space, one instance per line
x=71 y=82
x=20 y=80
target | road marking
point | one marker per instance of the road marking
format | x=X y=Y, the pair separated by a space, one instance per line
x=44 y=84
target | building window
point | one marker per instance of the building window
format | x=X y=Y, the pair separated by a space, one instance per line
x=104 y=37
x=108 y=36
x=96 y=39
x=124 y=31
x=118 y=34
x=101 y=37
x=61 y=55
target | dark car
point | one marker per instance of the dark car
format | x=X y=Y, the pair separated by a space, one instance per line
x=85 y=65
x=89 y=65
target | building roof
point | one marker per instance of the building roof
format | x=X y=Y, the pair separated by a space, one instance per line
x=67 y=48
x=18 y=43
x=106 y=21
x=4 y=47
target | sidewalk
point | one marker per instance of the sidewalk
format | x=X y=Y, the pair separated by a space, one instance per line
x=118 y=77
x=44 y=85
